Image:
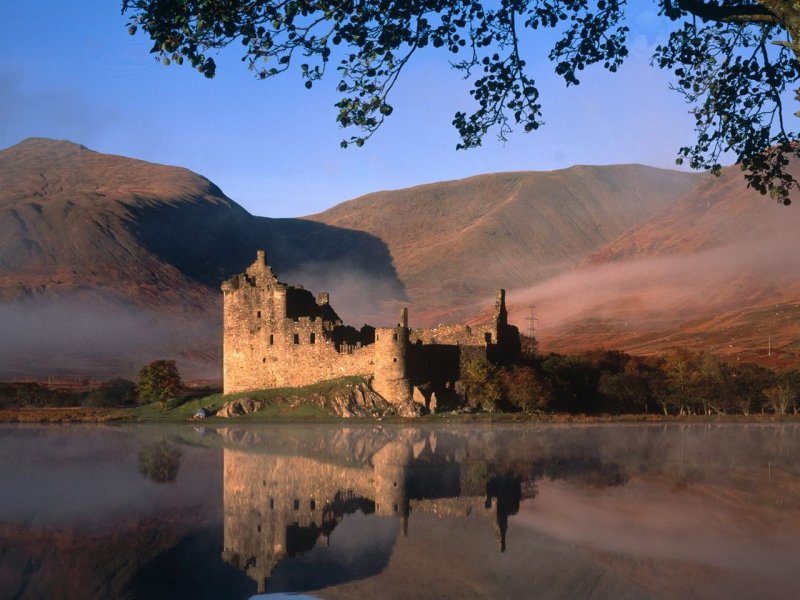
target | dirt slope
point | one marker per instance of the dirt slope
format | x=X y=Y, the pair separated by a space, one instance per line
x=454 y=242
x=107 y=261
x=717 y=271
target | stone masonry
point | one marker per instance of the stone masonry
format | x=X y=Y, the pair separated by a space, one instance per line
x=277 y=335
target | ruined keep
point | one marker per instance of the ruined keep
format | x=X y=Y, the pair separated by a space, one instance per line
x=277 y=335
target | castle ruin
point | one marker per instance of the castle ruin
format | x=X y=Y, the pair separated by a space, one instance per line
x=278 y=335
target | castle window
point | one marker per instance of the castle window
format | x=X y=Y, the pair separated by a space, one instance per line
x=394 y=359
x=488 y=337
x=263 y=360
x=395 y=337
x=313 y=504
x=271 y=503
x=297 y=504
x=377 y=337
x=312 y=338
x=271 y=339
x=258 y=314
x=296 y=338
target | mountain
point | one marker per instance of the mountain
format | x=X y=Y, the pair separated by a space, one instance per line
x=106 y=261
x=453 y=243
x=717 y=271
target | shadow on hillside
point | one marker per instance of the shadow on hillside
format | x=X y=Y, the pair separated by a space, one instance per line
x=209 y=242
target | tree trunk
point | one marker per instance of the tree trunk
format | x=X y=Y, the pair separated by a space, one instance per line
x=788 y=14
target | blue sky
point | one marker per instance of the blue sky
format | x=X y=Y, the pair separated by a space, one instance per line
x=69 y=70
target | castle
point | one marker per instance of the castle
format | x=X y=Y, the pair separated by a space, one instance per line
x=277 y=335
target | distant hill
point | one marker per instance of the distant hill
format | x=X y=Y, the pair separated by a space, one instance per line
x=107 y=261
x=453 y=243
x=717 y=271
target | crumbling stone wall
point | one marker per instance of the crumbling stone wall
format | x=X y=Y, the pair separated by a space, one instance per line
x=276 y=335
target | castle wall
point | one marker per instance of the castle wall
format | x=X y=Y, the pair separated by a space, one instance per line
x=460 y=333
x=268 y=342
x=277 y=335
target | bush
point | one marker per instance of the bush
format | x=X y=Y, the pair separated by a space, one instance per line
x=525 y=389
x=159 y=381
x=483 y=382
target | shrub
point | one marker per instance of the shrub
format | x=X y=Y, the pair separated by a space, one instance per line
x=159 y=381
x=525 y=389
x=483 y=382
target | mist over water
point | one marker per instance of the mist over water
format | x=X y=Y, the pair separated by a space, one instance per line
x=658 y=511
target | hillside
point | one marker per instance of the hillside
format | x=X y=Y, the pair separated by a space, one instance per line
x=107 y=261
x=717 y=271
x=453 y=243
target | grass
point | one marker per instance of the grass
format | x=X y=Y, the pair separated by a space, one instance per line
x=276 y=407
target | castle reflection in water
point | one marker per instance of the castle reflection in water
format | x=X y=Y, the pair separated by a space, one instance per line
x=282 y=504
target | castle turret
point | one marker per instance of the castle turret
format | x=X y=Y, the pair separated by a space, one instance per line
x=391 y=353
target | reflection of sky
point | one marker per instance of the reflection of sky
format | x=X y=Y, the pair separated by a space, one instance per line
x=360 y=547
x=71 y=71
x=89 y=476
x=703 y=511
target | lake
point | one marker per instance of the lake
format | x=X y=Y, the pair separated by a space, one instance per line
x=394 y=511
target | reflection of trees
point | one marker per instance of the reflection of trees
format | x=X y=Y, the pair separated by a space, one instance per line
x=160 y=461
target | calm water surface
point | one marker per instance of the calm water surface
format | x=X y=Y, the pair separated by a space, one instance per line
x=329 y=511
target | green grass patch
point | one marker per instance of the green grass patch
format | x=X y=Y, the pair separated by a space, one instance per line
x=275 y=409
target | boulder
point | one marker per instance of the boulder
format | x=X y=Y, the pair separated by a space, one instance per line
x=241 y=406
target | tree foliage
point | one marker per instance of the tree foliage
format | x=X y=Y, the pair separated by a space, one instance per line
x=733 y=60
x=159 y=381
x=483 y=382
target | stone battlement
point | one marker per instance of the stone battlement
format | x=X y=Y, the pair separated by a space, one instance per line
x=279 y=335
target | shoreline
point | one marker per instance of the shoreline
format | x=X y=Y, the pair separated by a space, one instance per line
x=66 y=415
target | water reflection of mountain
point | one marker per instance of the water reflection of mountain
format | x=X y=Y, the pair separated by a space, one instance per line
x=278 y=507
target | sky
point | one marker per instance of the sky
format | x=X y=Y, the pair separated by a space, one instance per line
x=69 y=70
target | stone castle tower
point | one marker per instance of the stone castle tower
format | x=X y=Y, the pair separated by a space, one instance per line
x=278 y=335
x=391 y=356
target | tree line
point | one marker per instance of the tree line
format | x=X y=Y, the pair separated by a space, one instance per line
x=680 y=382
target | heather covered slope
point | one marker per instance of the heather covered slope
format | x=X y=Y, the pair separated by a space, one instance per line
x=107 y=261
x=718 y=271
x=454 y=242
